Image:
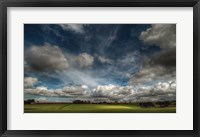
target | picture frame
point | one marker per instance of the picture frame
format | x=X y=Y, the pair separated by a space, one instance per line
x=99 y=3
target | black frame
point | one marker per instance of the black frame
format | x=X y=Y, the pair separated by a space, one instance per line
x=99 y=3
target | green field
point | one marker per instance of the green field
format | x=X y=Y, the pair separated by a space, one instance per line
x=95 y=108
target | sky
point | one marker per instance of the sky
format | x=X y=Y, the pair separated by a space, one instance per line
x=100 y=62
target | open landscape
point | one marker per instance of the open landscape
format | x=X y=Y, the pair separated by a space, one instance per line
x=98 y=108
x=99 y=68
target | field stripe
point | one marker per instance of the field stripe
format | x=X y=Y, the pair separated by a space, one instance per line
x=64 y=106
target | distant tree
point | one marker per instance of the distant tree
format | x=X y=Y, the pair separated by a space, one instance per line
x=29 y=101
x=163 y=104
x=146 y=104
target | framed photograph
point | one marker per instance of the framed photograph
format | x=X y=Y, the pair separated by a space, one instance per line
x=99 y=68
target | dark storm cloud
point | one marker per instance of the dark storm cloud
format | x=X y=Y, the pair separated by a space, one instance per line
x=165 y=58
x=162 y=65
x=46 y=58
x=51 y=58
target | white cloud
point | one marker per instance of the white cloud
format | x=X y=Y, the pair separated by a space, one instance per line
x=105 y=60
x=29 y=82
x=163 y=35
x=113 y=92
x=161 y=91
x=77 y=28
x=71 y=91
x=41 y=99
x=84 y=60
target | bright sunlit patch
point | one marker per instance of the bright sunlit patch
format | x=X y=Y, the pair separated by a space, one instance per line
x=115 y=107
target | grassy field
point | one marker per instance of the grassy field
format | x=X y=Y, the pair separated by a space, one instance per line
x=94 y=108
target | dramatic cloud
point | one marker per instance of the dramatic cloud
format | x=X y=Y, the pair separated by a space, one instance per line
x=162 y=35
x=46 y=58
x=161 y=91
x=152 y=73
x=77 y=28
x=112 y=92
x=143 y=93
x=29 y=82
x=52 y=58
x=105 y=58
x=166 y=58
x=147 y=74
x=162 y=65
x=157 y=89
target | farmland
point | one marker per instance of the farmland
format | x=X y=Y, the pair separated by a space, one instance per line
x=96 y=108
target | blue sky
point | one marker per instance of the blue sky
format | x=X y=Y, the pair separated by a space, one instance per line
x=64 y=62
